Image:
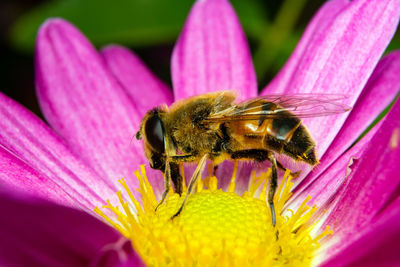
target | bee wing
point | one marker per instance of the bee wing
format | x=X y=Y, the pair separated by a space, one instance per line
x=298 y=105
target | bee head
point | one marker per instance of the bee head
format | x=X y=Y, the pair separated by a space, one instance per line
x=153 y=134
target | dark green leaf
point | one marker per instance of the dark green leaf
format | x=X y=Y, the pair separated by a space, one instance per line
x=128 y=22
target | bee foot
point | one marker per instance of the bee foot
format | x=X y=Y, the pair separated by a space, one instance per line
x=295 y=174
x=177 y=214
x=158 y=205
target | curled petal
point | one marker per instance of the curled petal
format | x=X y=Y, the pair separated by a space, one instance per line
x=372 y=182
x=375 y=245
x=382 y=87
x=84 y=103
x=142 y=86
x=212 y=53
x=339 y=57
x=323 y=188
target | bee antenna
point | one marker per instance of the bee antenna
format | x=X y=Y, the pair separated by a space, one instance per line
x=138 y=136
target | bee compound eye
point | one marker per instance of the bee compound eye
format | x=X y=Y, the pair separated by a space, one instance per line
x=155 y=133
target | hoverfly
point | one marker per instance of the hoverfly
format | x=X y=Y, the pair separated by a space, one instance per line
x=213 y=127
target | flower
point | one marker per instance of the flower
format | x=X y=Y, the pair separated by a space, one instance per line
x=94 y=102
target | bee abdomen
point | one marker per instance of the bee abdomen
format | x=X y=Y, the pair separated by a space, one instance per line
x=284 y=128
x=302 y=146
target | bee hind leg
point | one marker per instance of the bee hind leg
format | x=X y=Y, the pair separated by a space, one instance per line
x=262 y=155
x=273 y=185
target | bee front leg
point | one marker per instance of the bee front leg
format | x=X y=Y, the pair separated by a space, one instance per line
x=196 y=174
x=176 y=177
x=175 y=174
x=272 y=186
x=215 y=168
x=167 y=179
x=171 y=173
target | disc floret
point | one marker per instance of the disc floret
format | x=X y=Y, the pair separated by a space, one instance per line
x=216 y=227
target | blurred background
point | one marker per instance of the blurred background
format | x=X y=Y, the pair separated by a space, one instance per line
x=150 y=28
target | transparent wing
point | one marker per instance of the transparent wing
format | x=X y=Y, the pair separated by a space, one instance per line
x=280 y=106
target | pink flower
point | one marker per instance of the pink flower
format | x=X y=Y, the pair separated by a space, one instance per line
x=93 y=104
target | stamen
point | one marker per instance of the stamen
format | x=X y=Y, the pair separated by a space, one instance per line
x=265 y=175
x=232 y=184
x=215 y=227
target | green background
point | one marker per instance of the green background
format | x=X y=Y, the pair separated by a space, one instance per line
x=150 y=28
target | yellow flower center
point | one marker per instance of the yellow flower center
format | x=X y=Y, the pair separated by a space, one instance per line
x=217 y=228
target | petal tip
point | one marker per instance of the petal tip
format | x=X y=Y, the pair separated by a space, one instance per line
x=212 y=53
x=112 y=49
x=53 y=22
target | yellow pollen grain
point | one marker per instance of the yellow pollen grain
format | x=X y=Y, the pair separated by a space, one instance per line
x=216 y=227
x=394 y=139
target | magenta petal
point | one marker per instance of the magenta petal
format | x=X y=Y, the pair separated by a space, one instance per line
x=375 y=245
x=339 y=57
x=143 y=87
x=380 y=90
x=84 y=103
x=31 y=141
x=17 y=176
x=119 y=254
x=373 y=181
x=212 y=53
x=320 y=23
x=38 y=233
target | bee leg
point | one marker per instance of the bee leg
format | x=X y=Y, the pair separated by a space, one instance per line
x=167 y=178
x=273 y=185
x=259 y=155
x=164 y=195
x=280 y=166
x=262 y=155
x=197 y=173
x=184 y=158
x=176 y=177
x=215 y=170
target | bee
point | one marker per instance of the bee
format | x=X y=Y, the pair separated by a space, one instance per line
x=212 y=126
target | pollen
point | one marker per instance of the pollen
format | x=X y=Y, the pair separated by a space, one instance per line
x=217 y=227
